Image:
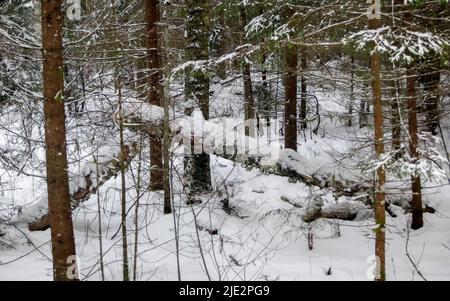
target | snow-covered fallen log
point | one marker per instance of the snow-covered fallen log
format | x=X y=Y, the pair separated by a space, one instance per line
x=347 y=211
x=226 y=139
x=82 y=184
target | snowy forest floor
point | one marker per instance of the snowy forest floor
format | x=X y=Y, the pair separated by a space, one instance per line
x=261 y=237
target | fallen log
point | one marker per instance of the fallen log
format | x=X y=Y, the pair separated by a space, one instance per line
x=230 y=142
x=83 y=185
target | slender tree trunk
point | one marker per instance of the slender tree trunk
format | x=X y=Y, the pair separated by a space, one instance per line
x=380 y=217
x=249 y=110
x=304 y=65
x=431 y=79
x=352 y=92
x=136 y=210
x=166 y=130
x=222 y=49
x=197 y=166
x=362 y=114
x=395 y=113
x=125 y=270
x=99 y=212
x=166 y=157
x=290 y=108
x=266 y=105
x=63 y=241
x=152 y=17
x=416 y=186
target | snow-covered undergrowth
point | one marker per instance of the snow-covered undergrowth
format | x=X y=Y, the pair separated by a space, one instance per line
x=261 y=236
x=248 y=228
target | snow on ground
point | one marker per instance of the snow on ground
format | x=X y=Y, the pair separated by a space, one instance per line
x=260 y=237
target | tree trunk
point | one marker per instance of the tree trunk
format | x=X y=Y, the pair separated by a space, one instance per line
x=304 y=65
x=380 y=218
x=249 y=110
x=63 y=241
x=222 y=49
x=416 y=186
x=265 y=106
x=290 y=108
x=395 y=113
x=352 y=92
x=166 y=122
x=123 y=198
x=430 y=80
x=197 y=166
x=362 y=114
x=152 y=17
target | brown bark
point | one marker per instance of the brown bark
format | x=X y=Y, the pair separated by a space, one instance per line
x=416 y=187
x=166 y=125
x=266 y=107
x=60 y=214
x=352 y=92
x=431 y=79
x=123 y=192
x=395 y=115
x=380 y=217
x=304 y=65
x=197 y=83
x=249 y=110
x=290 y=108
x=152 y=17
x=393 y=93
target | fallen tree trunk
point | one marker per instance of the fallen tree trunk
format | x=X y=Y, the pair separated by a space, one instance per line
x=82 y=186
x=230 y=142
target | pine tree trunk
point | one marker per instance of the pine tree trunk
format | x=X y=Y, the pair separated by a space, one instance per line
x=63 y=241
x=416 y=186
x=290 y=108
x=304 y=65
x=249 y=110
x=166 y=157
x=362 y=114
x=166 y=122
x=152 y=17
x=352 y=92
x=123 y=191
x=222 y=49
x=395 y=113
x=431 y=79
x=380 y=217
x=266 y=106
x=197 y=166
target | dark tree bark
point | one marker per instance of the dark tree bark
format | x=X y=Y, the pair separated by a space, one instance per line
x=123 y=192
x=416 y=186
x=290 y=108
x=152 y=17
x=430 y=79
x=265 y=106
x=395 y=114
x=60 y=213
x=197 y=166
x=249 y=110
x=362 y=114
x=393 y=93
x=303 y=83
x=380 y=218
x=352 y=92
